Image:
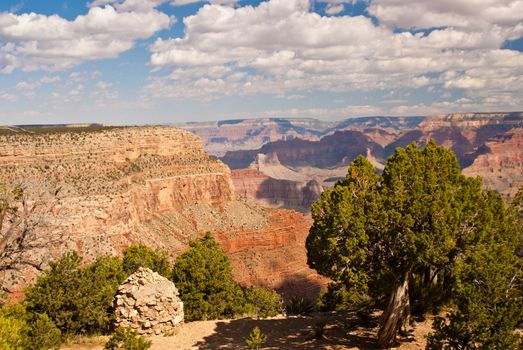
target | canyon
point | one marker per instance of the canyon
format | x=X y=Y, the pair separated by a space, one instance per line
x=151 y=185
x=249 y=182
x=291 y=171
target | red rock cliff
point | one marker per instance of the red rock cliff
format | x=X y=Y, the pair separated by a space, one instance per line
x=154 y=185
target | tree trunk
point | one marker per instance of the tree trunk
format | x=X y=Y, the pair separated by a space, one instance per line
x=396 y=316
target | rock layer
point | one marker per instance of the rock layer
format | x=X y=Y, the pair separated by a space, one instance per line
x=152 y=185
x=486 y=145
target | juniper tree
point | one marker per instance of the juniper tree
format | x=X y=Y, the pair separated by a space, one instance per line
x=487 y=298
x=413 y=220
x=203 y=276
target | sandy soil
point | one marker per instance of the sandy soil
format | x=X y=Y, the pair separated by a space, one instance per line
x=342 y=331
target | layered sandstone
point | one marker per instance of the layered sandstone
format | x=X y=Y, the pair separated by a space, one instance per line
x=478 y=139
x=501 y=166
x=152 y=185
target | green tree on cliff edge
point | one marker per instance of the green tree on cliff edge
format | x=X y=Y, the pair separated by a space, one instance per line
x=415 y=219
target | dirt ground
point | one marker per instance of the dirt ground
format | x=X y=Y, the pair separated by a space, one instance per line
x=342 y=331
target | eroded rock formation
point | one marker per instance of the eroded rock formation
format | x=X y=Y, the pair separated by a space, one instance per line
x=152 y=185
x=486 y=145
x=148 y=303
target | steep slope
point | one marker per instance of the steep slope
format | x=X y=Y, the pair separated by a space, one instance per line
x=244 y=134
x=501 y=163
x=478 y=139
x=154 y=185
x=333 y=150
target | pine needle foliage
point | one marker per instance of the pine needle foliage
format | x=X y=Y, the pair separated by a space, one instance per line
x=203 y=276
x=256 y=339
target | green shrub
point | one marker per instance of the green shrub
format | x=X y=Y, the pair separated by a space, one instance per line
x=127 y=339
x=41 y=333
x=336 y=297
x=102 y=278
x=256 y=339
x=77 y=300
x=300 y=306
x=11 y=329
x=141 y=256
x=20 y=329
x=262 y=302
x=203 y=276
x=488 y=303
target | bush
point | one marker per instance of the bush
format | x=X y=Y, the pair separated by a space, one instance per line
x=488 y=301
x=203 y=276
x=41 y=333
x=77 y=300
x=336 y=297
x=300 y=306
x=262 y=302
x=20 y=329
x=11 y=328
x=127 y=339
x=140 y=255
x=256 y=339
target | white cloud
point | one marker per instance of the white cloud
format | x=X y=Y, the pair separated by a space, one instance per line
x=283 y=48
x=7 y=96
x=334 y=9
x=31 y=85
x=218 y=2
x=443 y=13
x=37 y=41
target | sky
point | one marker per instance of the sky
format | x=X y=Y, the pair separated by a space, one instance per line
x=173 y=61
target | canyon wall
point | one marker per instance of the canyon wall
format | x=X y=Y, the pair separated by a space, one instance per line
x=486 y=145
x=152 y=185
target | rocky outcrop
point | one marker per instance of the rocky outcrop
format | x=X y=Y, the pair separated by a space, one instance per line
x=333 y=150
x=151 y=185
x=478 y=139
x=148 y=303
x=274 y=257
x=501 y=164
x=244 y=134
x=285 y=193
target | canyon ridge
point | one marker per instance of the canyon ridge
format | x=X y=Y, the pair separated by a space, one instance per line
x=288 y=162
x=151 y=185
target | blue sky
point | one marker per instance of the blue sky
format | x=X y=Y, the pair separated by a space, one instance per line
x=171 y=61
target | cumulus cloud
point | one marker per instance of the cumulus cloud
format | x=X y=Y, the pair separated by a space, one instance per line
x=36 y=41
x=281 y=47
x=219 y=2
x=31 y=85
x=454 y=13
x=7 y=96
x=334 y=9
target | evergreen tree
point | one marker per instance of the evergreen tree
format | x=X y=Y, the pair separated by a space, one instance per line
x=77 y=300
x=256 y=339
x=203 y=276
x=487 y=293
x=140 y=255
x=414 y=220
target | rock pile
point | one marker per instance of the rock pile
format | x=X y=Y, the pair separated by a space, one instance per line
x=148 y=303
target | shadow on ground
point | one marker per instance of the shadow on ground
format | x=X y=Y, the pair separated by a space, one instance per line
x=341 y=331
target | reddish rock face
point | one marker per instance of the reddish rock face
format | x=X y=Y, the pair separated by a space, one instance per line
x=501 y=166
x=486 y=145
x=152 y=185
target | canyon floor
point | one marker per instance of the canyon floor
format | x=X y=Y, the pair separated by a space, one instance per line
x=343 y=331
